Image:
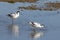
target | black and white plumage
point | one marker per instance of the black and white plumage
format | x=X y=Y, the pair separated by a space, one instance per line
x=14 y=15
x=36 y=25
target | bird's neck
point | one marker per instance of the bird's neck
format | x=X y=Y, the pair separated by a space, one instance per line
x=18 y=13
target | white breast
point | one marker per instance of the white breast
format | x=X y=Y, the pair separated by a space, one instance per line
x=37 y=25
x=15 y=15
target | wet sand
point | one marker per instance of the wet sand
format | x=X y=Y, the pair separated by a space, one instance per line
x=49 y=5
x=55 y=5
x=18 y=0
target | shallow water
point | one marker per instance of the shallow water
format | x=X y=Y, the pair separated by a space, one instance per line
x=21 y=30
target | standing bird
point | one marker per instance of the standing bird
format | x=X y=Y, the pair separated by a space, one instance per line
x=36 y=25
x=14 y=15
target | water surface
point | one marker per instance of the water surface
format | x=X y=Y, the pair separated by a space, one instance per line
x=21 y=30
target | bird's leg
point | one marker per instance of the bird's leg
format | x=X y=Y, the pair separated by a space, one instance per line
x=12 y=20
x=33 y=29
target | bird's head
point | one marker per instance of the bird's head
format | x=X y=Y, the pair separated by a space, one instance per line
x=30 y=22
x=17 y=11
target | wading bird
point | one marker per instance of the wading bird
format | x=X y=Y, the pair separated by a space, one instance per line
x=36 y=25
x=14 y=15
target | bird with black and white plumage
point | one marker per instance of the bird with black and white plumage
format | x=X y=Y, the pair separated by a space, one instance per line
x=37 y=25
x=14 y=15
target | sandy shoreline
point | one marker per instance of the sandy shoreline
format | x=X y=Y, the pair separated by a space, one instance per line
x=18 y=0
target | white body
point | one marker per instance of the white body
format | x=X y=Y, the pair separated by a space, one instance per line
x=14 y=15
x=37 y=25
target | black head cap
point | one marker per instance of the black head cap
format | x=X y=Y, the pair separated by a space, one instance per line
x=18 y=11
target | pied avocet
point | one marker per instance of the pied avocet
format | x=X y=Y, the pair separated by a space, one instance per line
x=14 y=15
x=36 y=25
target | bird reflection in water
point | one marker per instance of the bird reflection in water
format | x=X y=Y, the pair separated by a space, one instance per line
x=14 y=29
x=36 y=34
